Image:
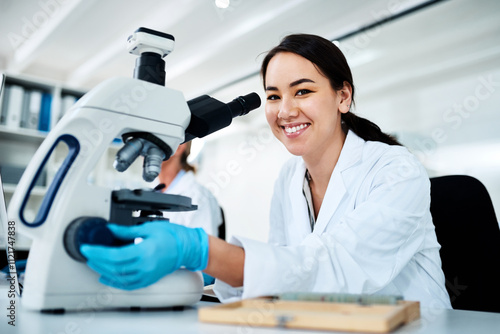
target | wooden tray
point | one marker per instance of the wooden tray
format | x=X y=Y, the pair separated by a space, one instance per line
x=375 y=318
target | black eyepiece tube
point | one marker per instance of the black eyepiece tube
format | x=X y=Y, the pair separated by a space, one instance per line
x=209 y=115
x=242 y=105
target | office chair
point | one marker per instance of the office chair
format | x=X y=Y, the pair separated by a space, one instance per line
x=468 y=231
x=222 y=227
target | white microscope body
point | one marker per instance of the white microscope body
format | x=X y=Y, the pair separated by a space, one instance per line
x=54 y=280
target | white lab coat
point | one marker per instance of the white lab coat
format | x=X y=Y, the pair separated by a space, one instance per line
x=207 y=216
x=374 y=232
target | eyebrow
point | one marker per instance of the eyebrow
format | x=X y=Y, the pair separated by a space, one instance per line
x=292 y=84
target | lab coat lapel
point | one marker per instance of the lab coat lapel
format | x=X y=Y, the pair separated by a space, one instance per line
x=181 y=183
x=337 y=186
x=298 y=226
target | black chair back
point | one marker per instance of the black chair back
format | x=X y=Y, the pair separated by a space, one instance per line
x=468 y=231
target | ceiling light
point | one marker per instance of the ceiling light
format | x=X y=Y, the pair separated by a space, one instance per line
x=222 y=3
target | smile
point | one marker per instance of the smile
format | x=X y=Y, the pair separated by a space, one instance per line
x=293 y=129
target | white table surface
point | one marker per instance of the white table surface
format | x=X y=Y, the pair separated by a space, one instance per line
x=186 y=321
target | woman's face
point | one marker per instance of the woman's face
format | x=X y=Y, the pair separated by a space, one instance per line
x=302 y=108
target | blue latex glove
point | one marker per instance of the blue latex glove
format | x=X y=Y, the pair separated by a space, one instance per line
x=207 y=279
x=165 y=248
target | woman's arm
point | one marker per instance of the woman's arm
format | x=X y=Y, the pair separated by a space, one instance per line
x=225 y=261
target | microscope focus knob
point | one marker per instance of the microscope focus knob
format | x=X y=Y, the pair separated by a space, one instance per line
x=86 y=230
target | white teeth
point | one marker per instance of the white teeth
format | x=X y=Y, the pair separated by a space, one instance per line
x=295 y=128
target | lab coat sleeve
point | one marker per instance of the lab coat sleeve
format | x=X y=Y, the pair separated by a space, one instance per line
x=362 y=252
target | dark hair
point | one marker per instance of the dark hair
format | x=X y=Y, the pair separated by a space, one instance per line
x=331 y=62
x=184 y=156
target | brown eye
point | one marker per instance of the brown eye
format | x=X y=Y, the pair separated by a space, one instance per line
x=303 y=92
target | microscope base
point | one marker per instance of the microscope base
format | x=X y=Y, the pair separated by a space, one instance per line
x=182 y=288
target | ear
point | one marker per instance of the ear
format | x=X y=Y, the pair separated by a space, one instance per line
x=345 y=95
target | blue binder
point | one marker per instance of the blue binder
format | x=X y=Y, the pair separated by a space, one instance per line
x=44 y=121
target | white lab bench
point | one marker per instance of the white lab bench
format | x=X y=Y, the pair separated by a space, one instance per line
x=186 y=321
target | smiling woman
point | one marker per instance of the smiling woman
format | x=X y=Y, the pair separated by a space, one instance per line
x=310 y=91
x=350 y=213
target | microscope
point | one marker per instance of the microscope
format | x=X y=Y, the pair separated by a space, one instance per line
x=152 y=121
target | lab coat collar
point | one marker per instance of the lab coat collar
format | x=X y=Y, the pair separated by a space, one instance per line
x=349 y=156
x=351 y=151
x=299 y=223
x=180 y=183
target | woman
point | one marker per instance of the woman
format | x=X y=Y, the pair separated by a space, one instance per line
x=349 y=214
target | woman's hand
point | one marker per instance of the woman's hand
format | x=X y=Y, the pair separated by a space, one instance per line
x=162 y=249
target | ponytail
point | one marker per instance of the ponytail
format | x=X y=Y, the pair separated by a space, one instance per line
x=366 y=129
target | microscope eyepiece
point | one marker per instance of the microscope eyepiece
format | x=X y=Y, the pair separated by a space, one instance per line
x=242 y=105
x=209 y=115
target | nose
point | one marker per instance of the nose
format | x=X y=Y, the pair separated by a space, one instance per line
x=288 y=109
